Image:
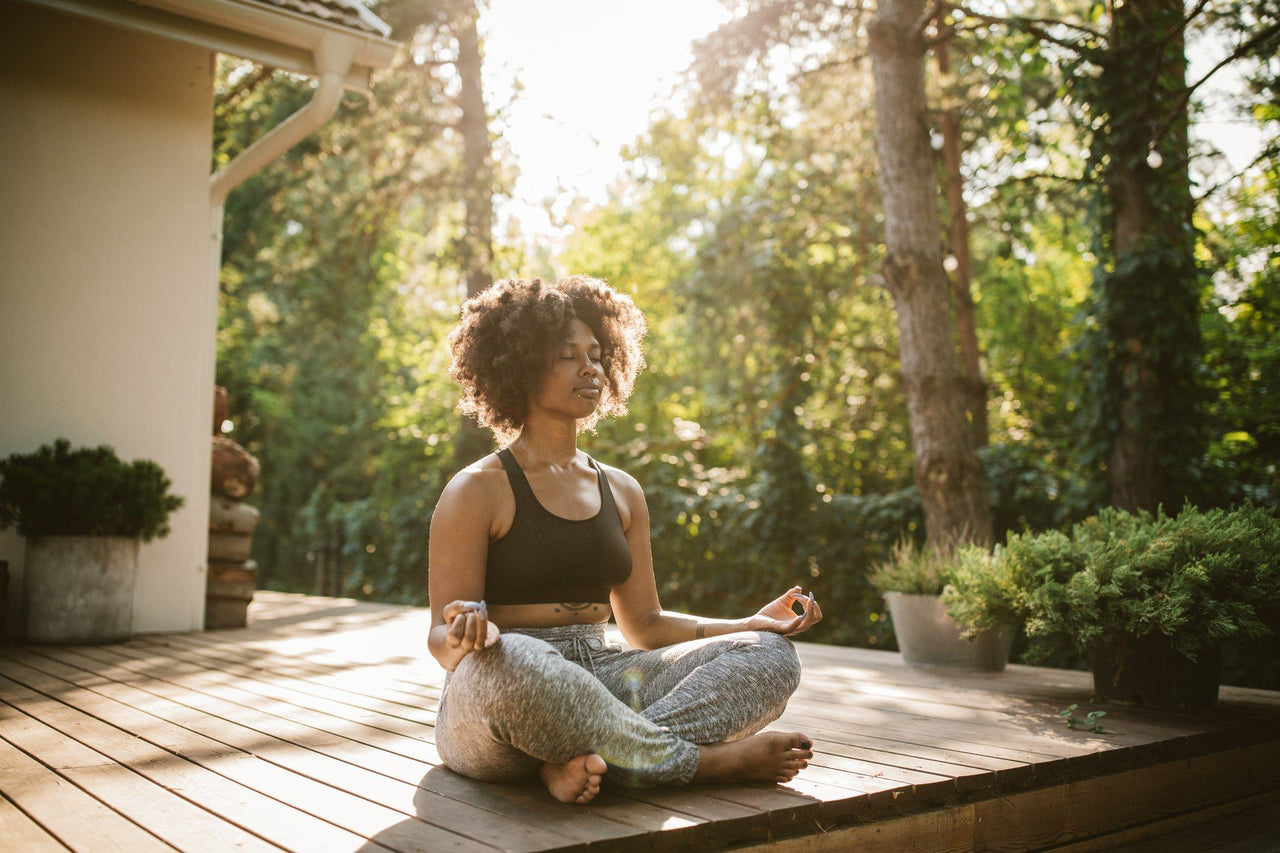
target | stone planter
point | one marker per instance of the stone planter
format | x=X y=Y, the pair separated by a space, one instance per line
x=228 y=593
x=79 y=589
x=231 y=525
x=233 y=577
x=928 y=636
x=1149 y=671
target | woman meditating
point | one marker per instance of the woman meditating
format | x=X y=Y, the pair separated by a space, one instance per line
x=545 y=542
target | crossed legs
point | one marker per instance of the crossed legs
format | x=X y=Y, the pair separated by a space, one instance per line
x=687 y=713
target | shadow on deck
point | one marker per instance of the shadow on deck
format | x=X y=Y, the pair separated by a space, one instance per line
x=313 y=730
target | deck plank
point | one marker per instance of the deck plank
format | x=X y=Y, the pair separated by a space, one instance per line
x=159 y=811
x=290 y=810
x=293 y=747
x=20 y=832
x=80 y=821
x=324 y=710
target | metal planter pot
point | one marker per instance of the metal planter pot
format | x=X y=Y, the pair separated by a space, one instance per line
x=79 y=589
x=928 y=636
x=1149 y=671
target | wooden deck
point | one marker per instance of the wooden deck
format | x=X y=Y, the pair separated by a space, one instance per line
x=312 y=730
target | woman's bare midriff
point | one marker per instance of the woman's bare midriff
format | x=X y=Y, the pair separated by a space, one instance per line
x=548 y=615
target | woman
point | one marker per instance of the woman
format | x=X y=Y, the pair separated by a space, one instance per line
x=548 y=544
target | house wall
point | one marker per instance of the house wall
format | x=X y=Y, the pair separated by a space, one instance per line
x=107 y=316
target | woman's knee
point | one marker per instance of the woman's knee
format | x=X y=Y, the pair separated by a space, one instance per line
x=782 y=657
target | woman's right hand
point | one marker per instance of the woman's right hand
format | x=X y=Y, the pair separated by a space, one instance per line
x=468 y=627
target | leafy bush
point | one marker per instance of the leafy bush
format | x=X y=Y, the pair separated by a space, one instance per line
x=1200 y=578
x=57 y=491
x=991 y=583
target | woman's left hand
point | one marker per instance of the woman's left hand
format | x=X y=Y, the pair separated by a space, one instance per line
x=780 y=617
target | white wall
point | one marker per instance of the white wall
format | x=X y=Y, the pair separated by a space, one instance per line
x=107 y=319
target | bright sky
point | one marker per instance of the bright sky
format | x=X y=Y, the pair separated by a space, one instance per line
x=591 y=71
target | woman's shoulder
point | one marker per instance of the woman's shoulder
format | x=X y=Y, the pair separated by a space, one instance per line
x=626 y=488
x=481 y=481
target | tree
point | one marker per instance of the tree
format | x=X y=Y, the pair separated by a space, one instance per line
x=961 y=266
x=947 y=470
x=475 y=245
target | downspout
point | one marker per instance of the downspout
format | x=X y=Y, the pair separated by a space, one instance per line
x=333 y=59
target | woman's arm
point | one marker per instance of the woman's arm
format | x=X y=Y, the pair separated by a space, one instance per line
x=639 y=614
x=458 y=551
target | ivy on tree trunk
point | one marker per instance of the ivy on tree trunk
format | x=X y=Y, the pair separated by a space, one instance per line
x=1146 y=344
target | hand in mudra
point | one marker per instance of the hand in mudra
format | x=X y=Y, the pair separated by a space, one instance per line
x=780 y=616
x=469 y=626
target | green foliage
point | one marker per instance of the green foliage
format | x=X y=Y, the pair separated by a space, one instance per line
x=982 y=588
x=1200 y=578
x=914 y=569
x=1089 y=722
x=57 y=491
x=770 y=432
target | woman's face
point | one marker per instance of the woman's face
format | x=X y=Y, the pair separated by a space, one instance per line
x=571 y=383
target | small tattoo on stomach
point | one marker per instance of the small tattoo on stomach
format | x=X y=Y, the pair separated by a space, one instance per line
x=578 y=606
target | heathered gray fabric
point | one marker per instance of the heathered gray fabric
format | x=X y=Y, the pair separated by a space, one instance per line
x=550 y=694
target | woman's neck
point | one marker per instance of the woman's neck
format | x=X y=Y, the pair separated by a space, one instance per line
x=545 y=443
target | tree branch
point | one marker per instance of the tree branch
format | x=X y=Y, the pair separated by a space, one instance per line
x=1267 y=153
x=1244 y=48
x=1034 y=26
x=829 y=64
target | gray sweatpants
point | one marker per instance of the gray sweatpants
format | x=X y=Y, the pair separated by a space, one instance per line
x=549 y=694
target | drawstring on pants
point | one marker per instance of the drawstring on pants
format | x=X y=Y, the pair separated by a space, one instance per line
x=575 y=642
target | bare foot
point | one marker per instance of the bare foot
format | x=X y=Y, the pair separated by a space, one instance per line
x=763 y=757
x=575 y=781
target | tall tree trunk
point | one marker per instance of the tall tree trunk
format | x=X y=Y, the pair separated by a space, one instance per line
x=975 y=387
x=1151 y=295
x=947 y=470
x=476 y=247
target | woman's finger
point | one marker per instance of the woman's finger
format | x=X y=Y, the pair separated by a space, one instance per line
x=473 y=630
x=491 y=637
x=457 y=630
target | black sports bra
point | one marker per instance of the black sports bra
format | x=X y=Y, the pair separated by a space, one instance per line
x=545 y=558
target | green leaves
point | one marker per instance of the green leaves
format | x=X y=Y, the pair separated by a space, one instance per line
x=57 y=491
x=1201 y=577
x=1089 y=722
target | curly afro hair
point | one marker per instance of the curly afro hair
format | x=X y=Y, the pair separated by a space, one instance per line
x=506 y=336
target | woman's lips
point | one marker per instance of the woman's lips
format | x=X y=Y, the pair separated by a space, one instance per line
x=592 y=391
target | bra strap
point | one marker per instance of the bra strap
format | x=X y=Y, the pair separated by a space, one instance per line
x=519 y=482
x=607 y=503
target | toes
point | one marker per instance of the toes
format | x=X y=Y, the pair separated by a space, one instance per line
x=595 y=765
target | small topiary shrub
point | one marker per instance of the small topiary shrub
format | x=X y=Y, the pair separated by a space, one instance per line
x=57 y=491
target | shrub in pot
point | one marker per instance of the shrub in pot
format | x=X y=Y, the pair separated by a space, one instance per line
x=1150 y=599
x=912 y=581
x=84 y=513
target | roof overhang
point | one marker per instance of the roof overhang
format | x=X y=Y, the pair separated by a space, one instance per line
x=264 y=33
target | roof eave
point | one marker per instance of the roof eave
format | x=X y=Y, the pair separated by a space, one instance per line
x=265 y=34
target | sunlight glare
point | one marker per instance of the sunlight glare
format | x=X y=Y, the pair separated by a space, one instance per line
x=589 y=74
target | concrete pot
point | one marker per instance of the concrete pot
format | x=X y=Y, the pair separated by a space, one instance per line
x=928 y=636
x=79 y=589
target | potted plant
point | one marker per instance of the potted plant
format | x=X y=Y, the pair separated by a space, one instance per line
x=84 y=513
x=1150 y=599
x=912 y=581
